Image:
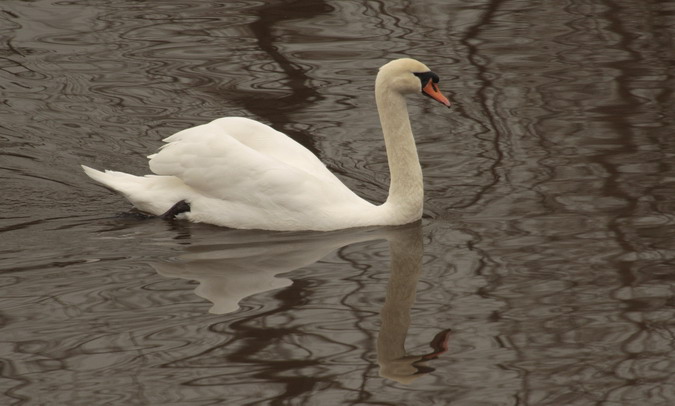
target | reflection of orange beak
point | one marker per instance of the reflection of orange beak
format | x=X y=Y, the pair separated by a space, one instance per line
x=431 y=90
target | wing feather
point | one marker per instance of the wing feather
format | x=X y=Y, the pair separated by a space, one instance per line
x=237 y=159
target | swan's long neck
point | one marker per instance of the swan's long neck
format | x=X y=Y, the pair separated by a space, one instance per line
x=406 y=190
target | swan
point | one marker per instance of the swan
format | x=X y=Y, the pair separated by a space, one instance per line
x=236 y=172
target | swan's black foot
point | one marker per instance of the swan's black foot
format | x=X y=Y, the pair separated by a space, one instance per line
x=176 y=209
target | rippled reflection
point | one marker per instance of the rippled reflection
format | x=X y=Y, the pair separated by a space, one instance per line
x=250 y=263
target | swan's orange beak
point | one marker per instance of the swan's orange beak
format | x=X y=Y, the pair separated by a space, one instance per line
x=431 y=90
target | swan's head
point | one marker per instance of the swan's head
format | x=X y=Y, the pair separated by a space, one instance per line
x=410 y=76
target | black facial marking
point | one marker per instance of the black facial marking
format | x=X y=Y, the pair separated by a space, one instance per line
x=426 y=76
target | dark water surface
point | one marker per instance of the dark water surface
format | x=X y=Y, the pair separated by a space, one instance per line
x=547 y=248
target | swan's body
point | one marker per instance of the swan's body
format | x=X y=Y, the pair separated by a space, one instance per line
x=239 y=173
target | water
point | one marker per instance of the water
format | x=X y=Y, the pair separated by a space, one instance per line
x=546 y=248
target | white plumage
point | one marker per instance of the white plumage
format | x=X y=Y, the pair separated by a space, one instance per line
x=239 y=173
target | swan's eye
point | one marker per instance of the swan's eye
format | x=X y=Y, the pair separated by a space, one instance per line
x=426 y=76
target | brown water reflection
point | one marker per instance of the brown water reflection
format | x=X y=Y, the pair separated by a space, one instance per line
x=546 y=246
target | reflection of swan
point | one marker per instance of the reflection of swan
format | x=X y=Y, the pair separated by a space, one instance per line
x=228 y=273
x=239 y=173
x=406 y=266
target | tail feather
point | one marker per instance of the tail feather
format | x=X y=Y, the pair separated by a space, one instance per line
x=111 y=179
x=151 y=194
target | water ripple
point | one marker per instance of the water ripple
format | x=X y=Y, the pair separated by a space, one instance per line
x=547 y=235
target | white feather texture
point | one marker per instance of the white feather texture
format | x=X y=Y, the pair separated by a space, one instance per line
x=239 y=173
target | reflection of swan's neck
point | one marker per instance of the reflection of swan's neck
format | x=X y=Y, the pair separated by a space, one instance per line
x=407 y=250
x=406 y=190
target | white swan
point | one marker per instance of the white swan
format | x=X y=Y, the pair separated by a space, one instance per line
x=240 y=173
